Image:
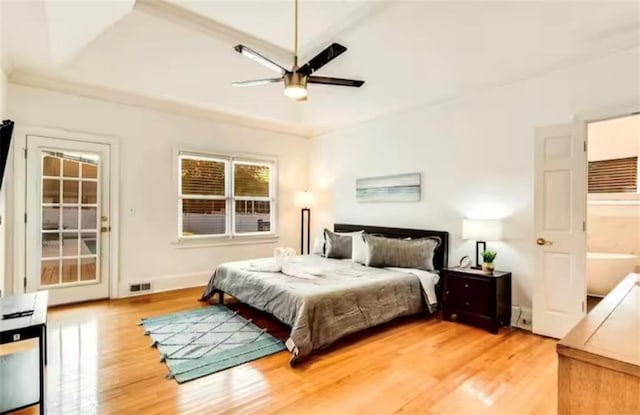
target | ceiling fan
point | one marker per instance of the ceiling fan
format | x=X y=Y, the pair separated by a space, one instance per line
x=296 y=79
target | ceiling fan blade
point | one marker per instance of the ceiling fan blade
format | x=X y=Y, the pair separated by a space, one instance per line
x=255 y=56
x=334 y=81
x=256 y=82
x=330 y=53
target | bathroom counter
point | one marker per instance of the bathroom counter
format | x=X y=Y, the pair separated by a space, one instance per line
x=599 y=359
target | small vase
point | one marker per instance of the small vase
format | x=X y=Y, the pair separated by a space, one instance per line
x=487 y=267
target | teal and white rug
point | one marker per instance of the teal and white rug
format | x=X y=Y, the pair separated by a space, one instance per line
x=199 y=342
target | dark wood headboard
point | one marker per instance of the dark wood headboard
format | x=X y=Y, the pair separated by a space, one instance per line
x=441 y=256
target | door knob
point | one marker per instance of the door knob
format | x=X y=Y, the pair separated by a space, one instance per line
x=542 y=241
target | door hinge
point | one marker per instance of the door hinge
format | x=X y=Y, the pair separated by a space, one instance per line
x=25 y=152
x=585 y=146
x=24 y=284
x=584 y=226
x=25 y=217
x=583 y=310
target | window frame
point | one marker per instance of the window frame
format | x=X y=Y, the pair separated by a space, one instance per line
x=272 y=199
x=229 y=196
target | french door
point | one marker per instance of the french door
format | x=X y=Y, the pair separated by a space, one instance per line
x=67 y=219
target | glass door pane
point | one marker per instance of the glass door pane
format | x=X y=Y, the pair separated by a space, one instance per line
x=70 y=221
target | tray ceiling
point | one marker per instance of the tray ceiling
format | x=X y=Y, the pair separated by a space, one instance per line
x=410 y=53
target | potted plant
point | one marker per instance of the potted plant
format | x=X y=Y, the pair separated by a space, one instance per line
x=487 y=265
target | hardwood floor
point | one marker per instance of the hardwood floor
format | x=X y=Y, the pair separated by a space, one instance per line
x=100 y=362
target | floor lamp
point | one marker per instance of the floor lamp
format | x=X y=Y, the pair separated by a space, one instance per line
x=481 y=231
x=304 y=200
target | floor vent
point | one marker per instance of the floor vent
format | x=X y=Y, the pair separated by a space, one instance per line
x=141 y=287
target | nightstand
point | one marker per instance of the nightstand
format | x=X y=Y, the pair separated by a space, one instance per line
x=473 y=297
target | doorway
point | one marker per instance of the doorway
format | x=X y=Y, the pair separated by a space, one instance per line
x=67 y=219
x=561 y=173
x=613 y=204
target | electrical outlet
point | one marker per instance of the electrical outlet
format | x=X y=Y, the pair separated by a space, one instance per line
x=525 y=319
x=133 y=288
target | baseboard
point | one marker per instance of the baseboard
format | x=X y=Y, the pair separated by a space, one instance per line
x=521 y=317
x=167 y=283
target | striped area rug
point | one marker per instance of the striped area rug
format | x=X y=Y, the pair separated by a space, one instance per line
x=200 y=342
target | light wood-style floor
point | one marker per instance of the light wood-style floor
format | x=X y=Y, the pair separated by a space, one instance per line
x=100 y=362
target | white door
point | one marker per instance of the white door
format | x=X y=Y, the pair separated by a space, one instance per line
x=67 y=219
x=560 y=212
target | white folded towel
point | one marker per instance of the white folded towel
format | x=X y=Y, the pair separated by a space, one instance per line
x=281 y=257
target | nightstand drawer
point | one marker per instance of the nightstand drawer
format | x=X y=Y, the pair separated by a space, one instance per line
x=468 y=285
x=469 y=295
x=480 y=306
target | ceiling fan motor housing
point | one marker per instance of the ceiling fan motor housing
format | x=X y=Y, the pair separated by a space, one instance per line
x=295 y=79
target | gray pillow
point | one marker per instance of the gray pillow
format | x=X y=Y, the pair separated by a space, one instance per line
x=401 y=253
x=337 y=245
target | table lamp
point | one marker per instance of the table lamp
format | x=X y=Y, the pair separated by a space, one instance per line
x=481 y=231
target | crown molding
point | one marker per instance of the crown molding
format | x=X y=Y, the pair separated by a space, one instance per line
x=176 y=14
x=181 y=16
x=366 y=10
x=625 y=39
x=171 y=106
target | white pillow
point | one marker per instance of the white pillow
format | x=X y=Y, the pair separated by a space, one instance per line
x=359 y=248
x=318 y=246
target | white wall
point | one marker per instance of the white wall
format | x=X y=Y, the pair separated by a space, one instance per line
x=149 y=141
x=614 y=228
x=475 y=156
x=617 y=138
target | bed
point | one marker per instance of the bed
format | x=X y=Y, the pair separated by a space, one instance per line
x=331 y=298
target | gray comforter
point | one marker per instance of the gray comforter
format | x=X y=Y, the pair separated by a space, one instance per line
x=324 y=299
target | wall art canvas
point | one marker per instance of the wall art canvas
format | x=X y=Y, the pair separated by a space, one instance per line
x=397 y=188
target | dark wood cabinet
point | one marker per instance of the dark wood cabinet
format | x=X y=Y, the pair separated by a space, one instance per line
x=473 y=297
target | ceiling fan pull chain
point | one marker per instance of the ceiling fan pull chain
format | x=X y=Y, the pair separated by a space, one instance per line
x=295 y=36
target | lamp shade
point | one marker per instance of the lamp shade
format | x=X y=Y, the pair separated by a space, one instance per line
x=304 y=199
x=482 y=229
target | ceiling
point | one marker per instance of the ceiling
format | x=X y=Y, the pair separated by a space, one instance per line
x=410 y=53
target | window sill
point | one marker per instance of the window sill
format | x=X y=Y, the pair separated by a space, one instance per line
x=613 y=199
x=189 y=243
x=613 y=202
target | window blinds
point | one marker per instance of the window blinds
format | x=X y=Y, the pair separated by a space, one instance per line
x=614 y=175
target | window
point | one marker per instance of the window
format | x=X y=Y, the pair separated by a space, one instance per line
x=614 y=175
x=225 y=196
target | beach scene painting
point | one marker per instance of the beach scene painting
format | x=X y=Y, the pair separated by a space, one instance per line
x=397 y=188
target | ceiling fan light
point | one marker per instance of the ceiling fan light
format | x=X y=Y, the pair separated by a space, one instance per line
x=297 y=92
x=295 y=86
